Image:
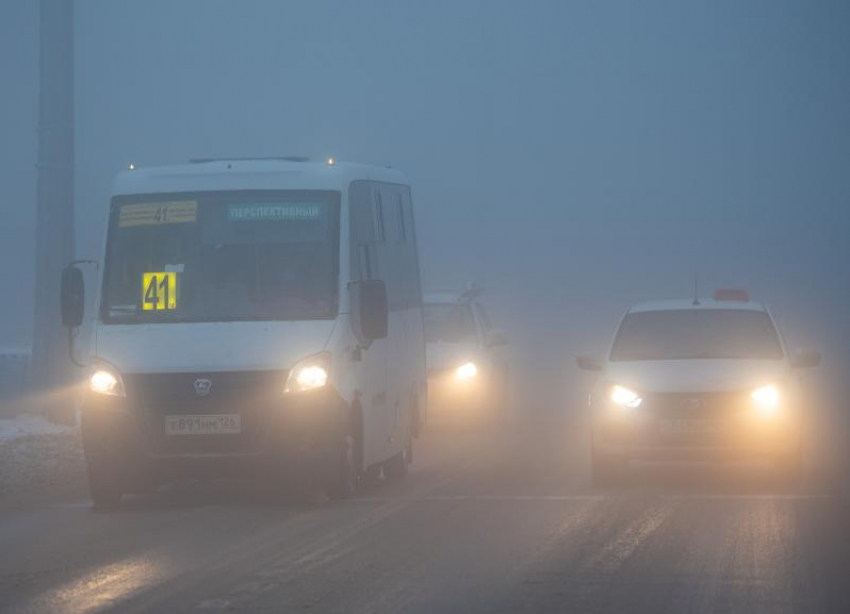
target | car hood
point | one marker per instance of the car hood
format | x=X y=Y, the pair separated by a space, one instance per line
x=695 y=375
x=440 y=355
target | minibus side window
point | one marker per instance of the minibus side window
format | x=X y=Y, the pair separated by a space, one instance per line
x=400 y=218
x=363 y=242
x=388 y=249
x=380 y=216
x=414 y=283
x=394 y=259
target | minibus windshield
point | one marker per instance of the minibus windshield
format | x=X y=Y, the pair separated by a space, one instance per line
x=222 y=256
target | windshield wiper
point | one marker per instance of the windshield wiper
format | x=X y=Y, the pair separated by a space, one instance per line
x=636 y=356
x=122 y=310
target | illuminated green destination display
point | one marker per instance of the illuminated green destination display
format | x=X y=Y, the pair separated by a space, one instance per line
x=293 y=212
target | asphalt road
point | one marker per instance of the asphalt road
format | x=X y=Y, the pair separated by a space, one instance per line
x=488 y=521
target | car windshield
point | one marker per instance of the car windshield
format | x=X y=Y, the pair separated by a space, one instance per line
x=449 y=322
x=220 y=256
x=696 y=334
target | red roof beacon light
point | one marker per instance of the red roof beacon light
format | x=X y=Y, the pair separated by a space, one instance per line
x=731 y=294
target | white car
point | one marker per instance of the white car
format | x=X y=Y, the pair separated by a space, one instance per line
x=467 y=366
x=697 y=379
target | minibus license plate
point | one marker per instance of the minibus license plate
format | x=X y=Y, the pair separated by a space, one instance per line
x=219 y=424
x=677 y=426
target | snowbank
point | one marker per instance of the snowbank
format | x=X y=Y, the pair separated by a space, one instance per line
x=37 y=454
x=25 y=424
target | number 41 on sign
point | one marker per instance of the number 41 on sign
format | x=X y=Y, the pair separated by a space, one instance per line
x=159 y=291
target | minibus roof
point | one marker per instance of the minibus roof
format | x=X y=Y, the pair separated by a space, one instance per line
x=250 y=174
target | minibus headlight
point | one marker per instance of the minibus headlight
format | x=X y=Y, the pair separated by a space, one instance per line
x=466 y=371
x=106 y=381
x=623 y=397
x=310 y=373
x=767 y=400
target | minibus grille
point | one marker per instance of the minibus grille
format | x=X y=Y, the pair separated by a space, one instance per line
x=253 y=395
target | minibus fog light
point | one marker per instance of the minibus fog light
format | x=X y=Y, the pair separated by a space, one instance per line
x=309 y=374
x=766 y=400
x=466 y=371
x=624 y=397
x=105 y=382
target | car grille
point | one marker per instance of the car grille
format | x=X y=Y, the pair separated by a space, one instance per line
x=718 y=415
x=251 y=394
x=695 y=405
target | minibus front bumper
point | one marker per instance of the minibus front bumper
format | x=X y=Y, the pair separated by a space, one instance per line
x=293 y=433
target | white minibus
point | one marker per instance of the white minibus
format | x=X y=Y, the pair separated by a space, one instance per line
x=253 y=317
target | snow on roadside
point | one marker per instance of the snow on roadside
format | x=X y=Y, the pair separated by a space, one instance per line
x=37 y=454
x=28 y=424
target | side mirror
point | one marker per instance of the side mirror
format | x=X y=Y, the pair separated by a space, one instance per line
x=369 y=310
x=496 y=338
x=72 y=297
x=805 y=359
x=589 y=363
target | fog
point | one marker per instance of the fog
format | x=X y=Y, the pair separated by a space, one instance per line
x=574 y=157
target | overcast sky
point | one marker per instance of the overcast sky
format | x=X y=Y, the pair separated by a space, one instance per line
x=574 y=156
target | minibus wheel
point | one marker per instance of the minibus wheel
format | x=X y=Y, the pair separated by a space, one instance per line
x=343 y=478
x=372 y=475
x=105 y=490
x=416 y=417
x=396 y=468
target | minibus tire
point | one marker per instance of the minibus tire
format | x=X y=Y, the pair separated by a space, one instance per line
x=371 y=476
x=415 y=417
x=344 y=478
x=104 y=489
x=397 y=467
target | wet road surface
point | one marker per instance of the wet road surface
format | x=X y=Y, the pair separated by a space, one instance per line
x=488 y=521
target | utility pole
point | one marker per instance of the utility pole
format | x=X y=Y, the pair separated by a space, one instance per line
x=54 y=241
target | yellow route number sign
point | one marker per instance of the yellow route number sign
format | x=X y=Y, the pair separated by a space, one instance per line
x=159 y=291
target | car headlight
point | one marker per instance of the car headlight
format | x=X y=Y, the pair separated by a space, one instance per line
x=310 y=373
x=466 y=371
x=624 y=397
x=767 y=399
x=106 y=381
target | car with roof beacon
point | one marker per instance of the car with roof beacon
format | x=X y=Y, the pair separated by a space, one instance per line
x=697 y=379
x=253 y=317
